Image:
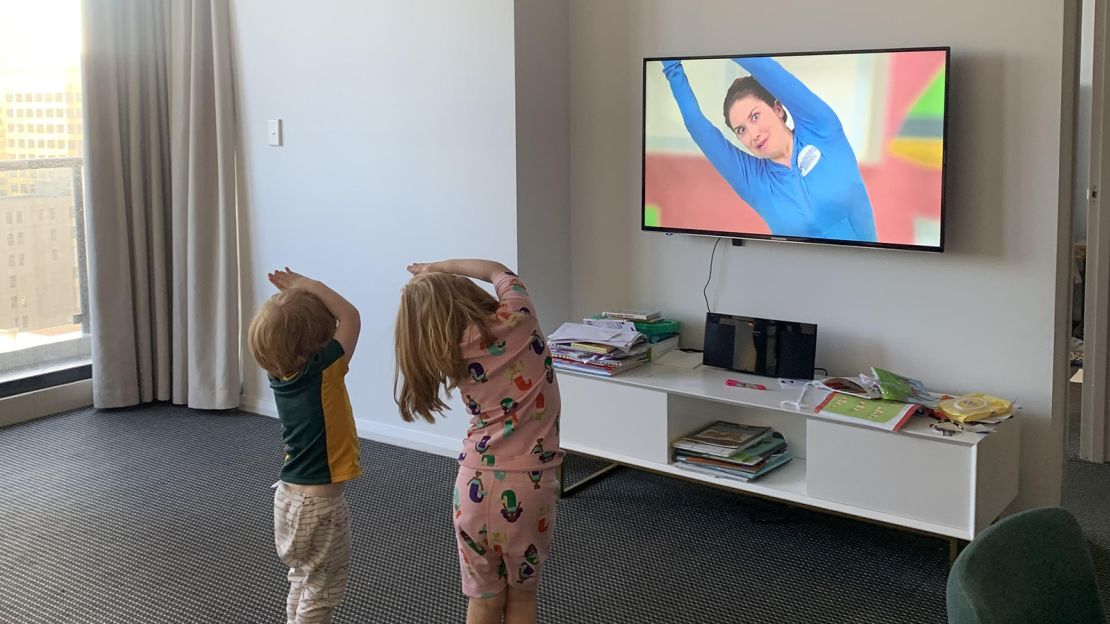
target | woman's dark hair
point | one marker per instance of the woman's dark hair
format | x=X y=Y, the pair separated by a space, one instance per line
x=743 y=87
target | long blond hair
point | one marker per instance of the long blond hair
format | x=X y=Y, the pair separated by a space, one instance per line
x=436 y=310
x=288 y=329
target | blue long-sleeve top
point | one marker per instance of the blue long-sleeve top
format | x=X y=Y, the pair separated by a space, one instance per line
x=824 y=198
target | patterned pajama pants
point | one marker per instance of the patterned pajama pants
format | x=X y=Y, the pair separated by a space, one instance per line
x=313 y=538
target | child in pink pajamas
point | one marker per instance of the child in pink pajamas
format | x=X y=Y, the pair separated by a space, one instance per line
x=452 y=334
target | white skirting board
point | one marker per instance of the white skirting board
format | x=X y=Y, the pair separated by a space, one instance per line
x=45 y=402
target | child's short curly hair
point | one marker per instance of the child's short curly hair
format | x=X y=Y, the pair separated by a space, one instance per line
x=288 y=329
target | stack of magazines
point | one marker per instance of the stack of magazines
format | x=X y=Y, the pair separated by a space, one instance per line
x=596 y=350
x=732 y=450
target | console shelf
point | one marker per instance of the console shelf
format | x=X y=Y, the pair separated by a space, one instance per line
x=916 y=478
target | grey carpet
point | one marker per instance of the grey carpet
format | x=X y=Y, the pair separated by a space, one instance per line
x=1087 y=495
x=163 y=514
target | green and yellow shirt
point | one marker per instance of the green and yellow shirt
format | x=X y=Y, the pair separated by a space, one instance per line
x=318 y=426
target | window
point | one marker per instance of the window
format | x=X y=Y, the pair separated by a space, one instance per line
x=21 y=238
x=47 y=272
x=15 y=302
x=11 y=239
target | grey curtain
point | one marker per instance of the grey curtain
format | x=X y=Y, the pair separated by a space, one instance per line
x=160 y=146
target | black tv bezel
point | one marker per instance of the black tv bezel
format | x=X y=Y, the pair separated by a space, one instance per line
x=800 y=239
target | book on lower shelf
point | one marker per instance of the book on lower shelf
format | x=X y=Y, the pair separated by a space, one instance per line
x=775 y=461
x=732 y=450
x=722 y=439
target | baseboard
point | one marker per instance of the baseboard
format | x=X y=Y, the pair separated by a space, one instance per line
x=397 y=435
x=257 y=406
x=45 y=402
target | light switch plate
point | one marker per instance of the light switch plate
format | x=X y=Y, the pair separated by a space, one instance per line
x=273 y=132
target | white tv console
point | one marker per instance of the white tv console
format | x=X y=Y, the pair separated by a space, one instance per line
x=917 y=479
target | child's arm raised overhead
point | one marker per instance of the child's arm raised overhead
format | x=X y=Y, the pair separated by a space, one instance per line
x=350 y=324
x=485 y=270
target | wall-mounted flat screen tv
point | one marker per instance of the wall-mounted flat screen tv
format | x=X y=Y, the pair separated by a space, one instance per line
x=844 y=147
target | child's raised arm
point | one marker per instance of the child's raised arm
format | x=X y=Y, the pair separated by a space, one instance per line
x=485 y=270
x=350 y=323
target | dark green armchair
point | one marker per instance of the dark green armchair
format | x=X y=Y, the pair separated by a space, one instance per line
x=1031 y=567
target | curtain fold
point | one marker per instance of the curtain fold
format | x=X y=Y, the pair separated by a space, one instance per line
x=160 y=146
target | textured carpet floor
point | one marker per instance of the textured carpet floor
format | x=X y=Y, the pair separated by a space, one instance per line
x=163 y=514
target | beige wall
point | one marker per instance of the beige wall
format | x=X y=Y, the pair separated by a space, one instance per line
x=543 y=155
x=983 y=316
x=399 y=147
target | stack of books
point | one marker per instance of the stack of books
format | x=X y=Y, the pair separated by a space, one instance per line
x=731 y=450
x=605 y=351
x=660 y=333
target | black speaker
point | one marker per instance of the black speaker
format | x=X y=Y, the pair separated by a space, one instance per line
x=767 y=347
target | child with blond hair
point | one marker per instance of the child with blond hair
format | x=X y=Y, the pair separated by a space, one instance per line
x=451 y=334
x=304 y=337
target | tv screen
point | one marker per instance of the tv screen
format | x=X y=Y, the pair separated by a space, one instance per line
x=838 y=147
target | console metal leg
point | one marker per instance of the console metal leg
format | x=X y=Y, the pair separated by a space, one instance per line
x=565 y=490
x=955 y=547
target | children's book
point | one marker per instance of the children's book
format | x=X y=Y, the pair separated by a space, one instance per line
x=722 y=439
x=769 y=444
x=880 y=413
x=633 y=315
x=772 y=463
x=592 y=347
x=862 y=386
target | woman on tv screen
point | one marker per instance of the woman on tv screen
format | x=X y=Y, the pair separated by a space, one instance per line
x=803 y=182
